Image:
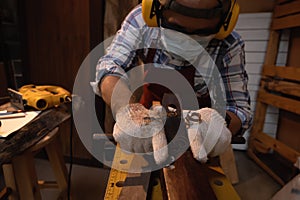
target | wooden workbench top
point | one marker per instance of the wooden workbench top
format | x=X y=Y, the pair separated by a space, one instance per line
x=32 y=132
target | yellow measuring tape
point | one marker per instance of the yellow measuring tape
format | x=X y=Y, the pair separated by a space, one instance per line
x=118 y=173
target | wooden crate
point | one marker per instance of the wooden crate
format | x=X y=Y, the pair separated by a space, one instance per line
x=279 y=87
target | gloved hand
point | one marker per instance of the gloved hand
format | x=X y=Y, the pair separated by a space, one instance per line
x=207 y=133
x=140 y=130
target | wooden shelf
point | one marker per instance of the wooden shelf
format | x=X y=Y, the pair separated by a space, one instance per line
x=279 y=88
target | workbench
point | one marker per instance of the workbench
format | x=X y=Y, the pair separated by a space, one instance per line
x=184 y=179
x=31 y=133
x=16 y=157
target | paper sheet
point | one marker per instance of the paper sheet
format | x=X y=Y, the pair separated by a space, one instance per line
x=11 y=125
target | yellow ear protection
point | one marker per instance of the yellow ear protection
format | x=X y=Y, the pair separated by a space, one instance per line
x=152 y=14
x=230 y=20
x=150 y=11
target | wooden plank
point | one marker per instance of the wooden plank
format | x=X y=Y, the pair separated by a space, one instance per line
x=181 y=181
x=32 y=132
x=259 y=147
x=287 y=9
x=280 y=102
x=59 y=168
x=10 y=182
x=286 y=22
x=284 y=87
x=284 y=150
x=135 y=186
x=227 y=161
x=272 y=49
x=188 y=179
x=291 y=73
x=26 y=177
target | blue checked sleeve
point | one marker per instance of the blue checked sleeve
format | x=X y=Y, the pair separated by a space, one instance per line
x=120 y=54
x=235 y=81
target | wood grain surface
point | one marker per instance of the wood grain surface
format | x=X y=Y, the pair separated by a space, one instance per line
x=31 y=133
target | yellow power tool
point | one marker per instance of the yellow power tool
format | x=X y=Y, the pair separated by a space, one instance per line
x=43 y=97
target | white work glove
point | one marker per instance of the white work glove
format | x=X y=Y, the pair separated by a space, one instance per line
x=207 y=133
x=140 y=130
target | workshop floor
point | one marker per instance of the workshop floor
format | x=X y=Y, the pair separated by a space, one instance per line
x=90 y=182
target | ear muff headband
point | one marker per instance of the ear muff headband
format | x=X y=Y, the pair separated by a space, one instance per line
x=151 y=15
x=150 y=10
x=230 y=21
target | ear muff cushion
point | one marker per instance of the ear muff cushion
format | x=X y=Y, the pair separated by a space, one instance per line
x=149 y=17
x=231 y=24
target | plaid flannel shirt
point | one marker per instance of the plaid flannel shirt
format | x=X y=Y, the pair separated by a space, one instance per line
x=228 y=55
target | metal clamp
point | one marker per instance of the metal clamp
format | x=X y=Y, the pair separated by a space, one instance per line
x=191 y=118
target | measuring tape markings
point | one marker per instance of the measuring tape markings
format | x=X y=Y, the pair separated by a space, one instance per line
x=118 y=173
